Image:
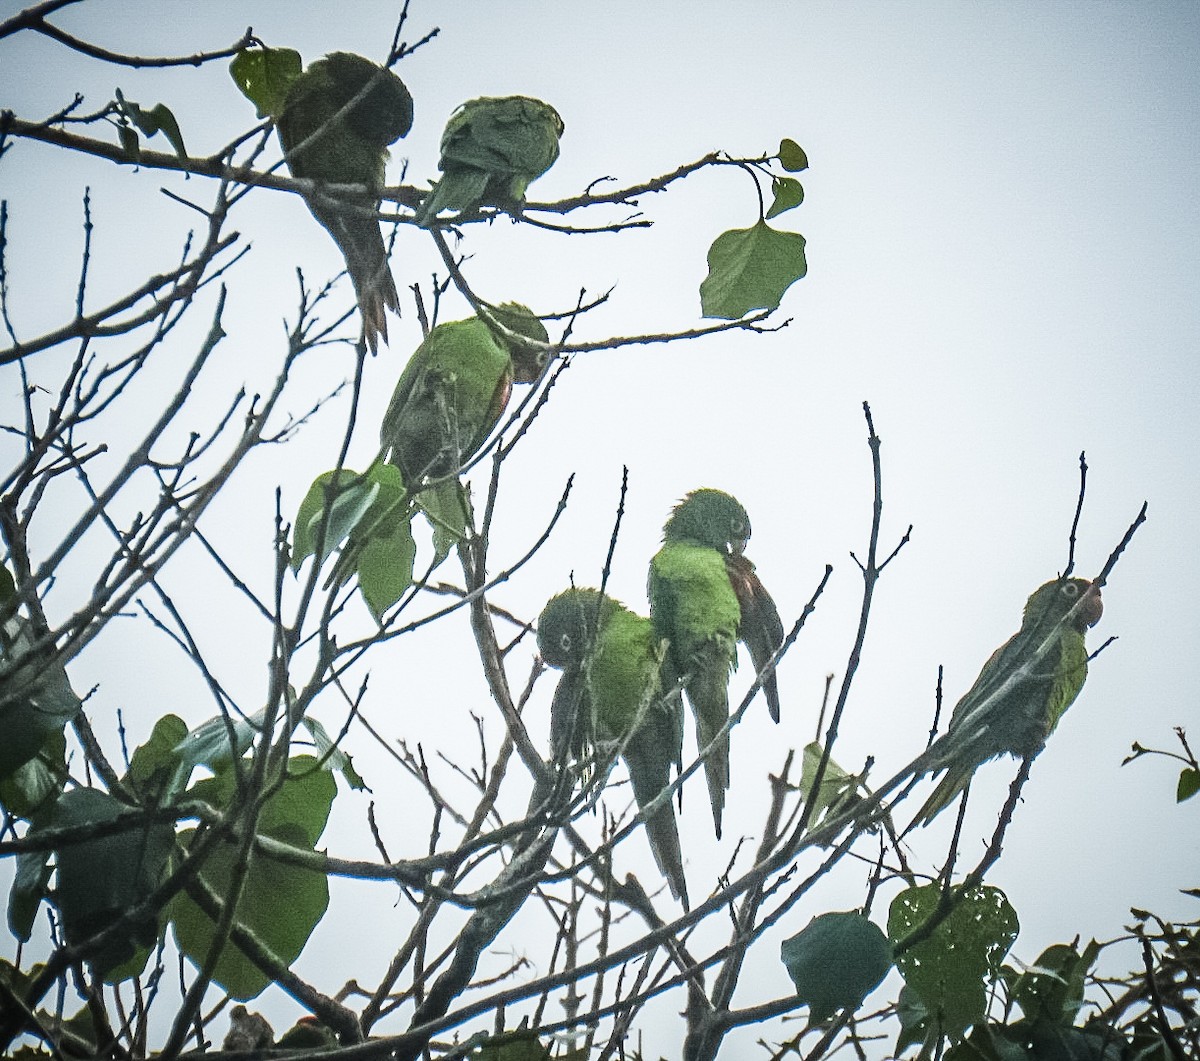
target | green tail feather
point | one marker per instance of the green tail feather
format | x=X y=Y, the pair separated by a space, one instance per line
x=947 y=791
x=649 y=779
x=362 y=247
x=459 y=190
x=711 y=708
x=663 y=834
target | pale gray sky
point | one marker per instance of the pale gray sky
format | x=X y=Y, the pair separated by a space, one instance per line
x=1002 y=233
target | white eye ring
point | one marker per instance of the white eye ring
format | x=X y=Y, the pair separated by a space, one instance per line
x=565 y=642
x=1070 y=589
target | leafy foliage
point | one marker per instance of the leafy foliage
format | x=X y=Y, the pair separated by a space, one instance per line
x=158 y=119
x=264 y=76
x=335 y=504
x=1188 y=783
x=1052 y=988
x=107 y=878
x=838 y=789
x=791 y=156
x=280 y=902
x=951 y=971
x=789 y=194
x=836 y=962
x=751 y=268
x=37 y=701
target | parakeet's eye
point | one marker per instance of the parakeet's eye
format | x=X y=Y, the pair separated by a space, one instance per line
x=565 y=642
x=1070 y=589
x=738 y=526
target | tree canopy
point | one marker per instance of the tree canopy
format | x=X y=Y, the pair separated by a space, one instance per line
x=283 y=739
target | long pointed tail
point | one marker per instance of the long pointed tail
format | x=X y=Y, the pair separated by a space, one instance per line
x=710 y=705
x=663 y=833
x=661 y=830
x=956 y=779
x=361 y=244
x=461 y=189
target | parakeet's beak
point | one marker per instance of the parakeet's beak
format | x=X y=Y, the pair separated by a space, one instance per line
x=1091 y=607
x=527 y=364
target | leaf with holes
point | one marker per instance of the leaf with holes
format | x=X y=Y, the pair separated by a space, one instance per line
x=951 y=970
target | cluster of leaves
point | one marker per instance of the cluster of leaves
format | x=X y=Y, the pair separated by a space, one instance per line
x=34 y=719
x=133 y=118
x=950 y=946
x=751 y=268
x=111 y=859
x=341 y=502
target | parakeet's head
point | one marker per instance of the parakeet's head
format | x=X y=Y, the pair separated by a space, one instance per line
x=504 y=111
x=539 y=111
x=385 y=112
x=712 y=518
x=568 y=624
x=1052 y=602
x=528 y=360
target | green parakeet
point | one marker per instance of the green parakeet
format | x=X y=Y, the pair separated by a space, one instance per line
x=617 y=691
x=308 y=1033
x=350 y=149
x=454 y=390
x=493 y=148
x=1022 y=691
x=704 y=598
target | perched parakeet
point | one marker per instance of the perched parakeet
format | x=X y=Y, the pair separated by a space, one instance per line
x=618 y=691
x=454 y=390
x=1022 y=691
x=247 y=1031
x=704 y=598
x=308 y=1033
x=350 y=149
x=493 y=148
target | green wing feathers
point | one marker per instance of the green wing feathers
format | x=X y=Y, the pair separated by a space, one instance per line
x=1069 y=677
x=448 y=398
